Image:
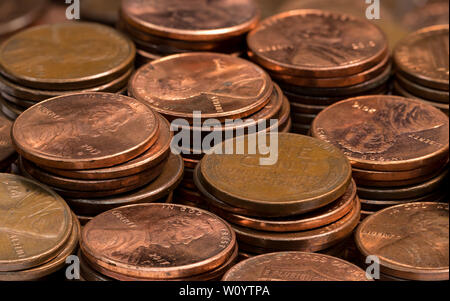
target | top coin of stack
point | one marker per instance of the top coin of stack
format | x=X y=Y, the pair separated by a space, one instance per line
x=51 y=60
x=160 y=28
x=319 y=58
x=422 y=66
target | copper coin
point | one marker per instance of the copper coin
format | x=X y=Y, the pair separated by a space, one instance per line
x=36 y=223
x=318 y=44
x=218 y=85
x=303 y=118
x=17 y=101
x=421 y=91
x=190 y=163
x=53 y=14
x=152 y=157
x=89 y=273
x=310 y=240
x=295 y=266
x=87 y=130
x=15 y=15
x=385 y=133
x=301 y=129
x=104 y=11
x=306 y=108
x=411 y=240
x=308 y=174
x=158 y=241
x=400 y=90
x=6 y=147
x=10 y=110
x=66 y=56
x=423 y=57
x=197 y=20
x=84 y=219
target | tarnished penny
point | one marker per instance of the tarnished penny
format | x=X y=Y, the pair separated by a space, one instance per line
x=423 y=57
x=87 y=130
x=308 y=174
x=315 y=43
x=385 y=133
x=15 y=15
x=295 y=266
x=35 y=223
x=17 y=101
x=218 y=85
x=158 y=241
x=411 y=240
x=195 y=20
x=6 y=147
x=65 y=56
x=421 y=91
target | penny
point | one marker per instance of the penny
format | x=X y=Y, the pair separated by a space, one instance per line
x=197 y=20
x=303 y=118
x=15 y=15
x=152 y=157
x=310 y=240
x=83 y=131
x=144 y=57
x=398 y=184
x=421 y=91
x=310 y=173
x=306 y=108
x=318 y=44
x=295 y=266
x=157 y=241
x=411 y=240
x=6 y=147
x=89 y=273
x=403 y=92
x=36 y=223
x=423 y=57
x=431 y=13
x=192 y=196
x=218 y=85
x=17 y=101
x=84 y=219
x=10 y=110
x=190 y=163
x=105 y=11
x=66 y=56
x=53 y=14
x=385 y=133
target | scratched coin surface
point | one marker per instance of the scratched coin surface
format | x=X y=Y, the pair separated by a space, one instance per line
x=158 y=241
x=411 y=240
x=423 y=57
x=35 y=223
x=193 y=20
x=66 y=56
x=385 y=133
x=219 y=86
x=87 y=130
x=15 y=15
x=315 y=43
x=295 y=266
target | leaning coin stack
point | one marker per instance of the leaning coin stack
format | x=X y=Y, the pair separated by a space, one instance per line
x=37 y=230
x=8 y=154
x=205 y=95
x=150 y=242
x=398 y=147
x=302 y=200
x=161 y=28
x=422 y=66
x=52 y=60
x=96 y=145
x=410 y=241
x=319 y=58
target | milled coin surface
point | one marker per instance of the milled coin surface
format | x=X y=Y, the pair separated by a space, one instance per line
x=35 y=223
x=219 y=86
x=316 y=43
x=385 y=133
x=295 y=266
x=82 y=131
x=410 y=240
x=158 y=241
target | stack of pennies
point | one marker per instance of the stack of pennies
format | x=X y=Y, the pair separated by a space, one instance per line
x=410 y=241
x=52 y=60
x=304 y=201
x=209 y=94
x=151 y=242
x=398 y=147
x=37 y=230
x=422 y=66
x=8 y=154
x=319 y=58
x=161 y=28
x=96 y=145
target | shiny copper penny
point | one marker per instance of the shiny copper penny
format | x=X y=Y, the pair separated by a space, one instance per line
x=315 y=43
x=6 y=147
x=423 y=57
x=157 y=241
x=385 y=133
x=35 y=223
x=307 y=174
x=196 y=20
x=421 y=91
x=87 y=130
x=66 y=56
x=411 y=240
x=219 y=86
x=15 y=15
x=295 y=266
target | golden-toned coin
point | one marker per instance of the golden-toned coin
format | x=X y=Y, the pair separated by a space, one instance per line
x=87 y=130
x=411 y=240
x=35 y=223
